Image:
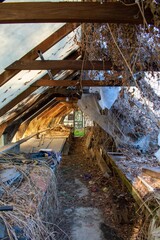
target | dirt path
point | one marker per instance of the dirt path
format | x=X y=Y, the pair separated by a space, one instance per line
x=92 y=206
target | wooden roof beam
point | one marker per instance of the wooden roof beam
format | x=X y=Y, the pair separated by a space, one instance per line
x=45 y=104
x=43 y=46
x=42 y=109
x=82 y=83
x=91 y=12
x=31 y=89
x=53 y=110
x=63 y=65
x=17 y=100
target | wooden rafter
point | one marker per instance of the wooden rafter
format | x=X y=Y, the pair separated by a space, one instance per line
x=26 y=109
x=25 y=124
x=53 y=110
x=49 y=110
x=62 y=114
x=43 y=100
x=62 y=65
x=63 y=111
x=45 y=104
x=31 y=89
x=84 y=83
x=40 y=110
x=110 y=12
x=43 y=46
x=17 y=100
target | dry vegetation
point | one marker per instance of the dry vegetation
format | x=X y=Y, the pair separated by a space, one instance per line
x=30 y=197
x=135 y=50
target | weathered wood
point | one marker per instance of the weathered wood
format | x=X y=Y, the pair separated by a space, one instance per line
x=40 y=104
x=53 y=114
x=110 y=12
x=43 y=46
x=62 y=65
x=10 y=131
x=102 y=164
x=82 y=83
x=31 y=89
x=89 y=139
x=2 y=128
x=149 y=187
x=17 y=100
x=51 y=109
x=128 y=184
x=42 y=109
x=60 y=116
x=152 y=171
x=21 y=130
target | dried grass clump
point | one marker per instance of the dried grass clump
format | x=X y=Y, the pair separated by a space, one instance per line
x=34 y=200
x=154 y=226
x=135 y=51
x=151 y=224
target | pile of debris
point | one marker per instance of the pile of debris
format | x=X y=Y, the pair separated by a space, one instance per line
x=28 y=195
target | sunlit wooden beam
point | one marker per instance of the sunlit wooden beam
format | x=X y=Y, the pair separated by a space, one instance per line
x=108 y=12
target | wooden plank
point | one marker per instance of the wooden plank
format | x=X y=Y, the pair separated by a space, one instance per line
x=38 y=105
x=62 y=65
x=50 y=110
x=108 y=12
x=43 y=46
x=36 y=113
x=128 y=183
x=152 y=171
x=84 y=83
x=26 y=109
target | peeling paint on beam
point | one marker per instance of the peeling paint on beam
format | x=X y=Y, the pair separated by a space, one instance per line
x=108 y=12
